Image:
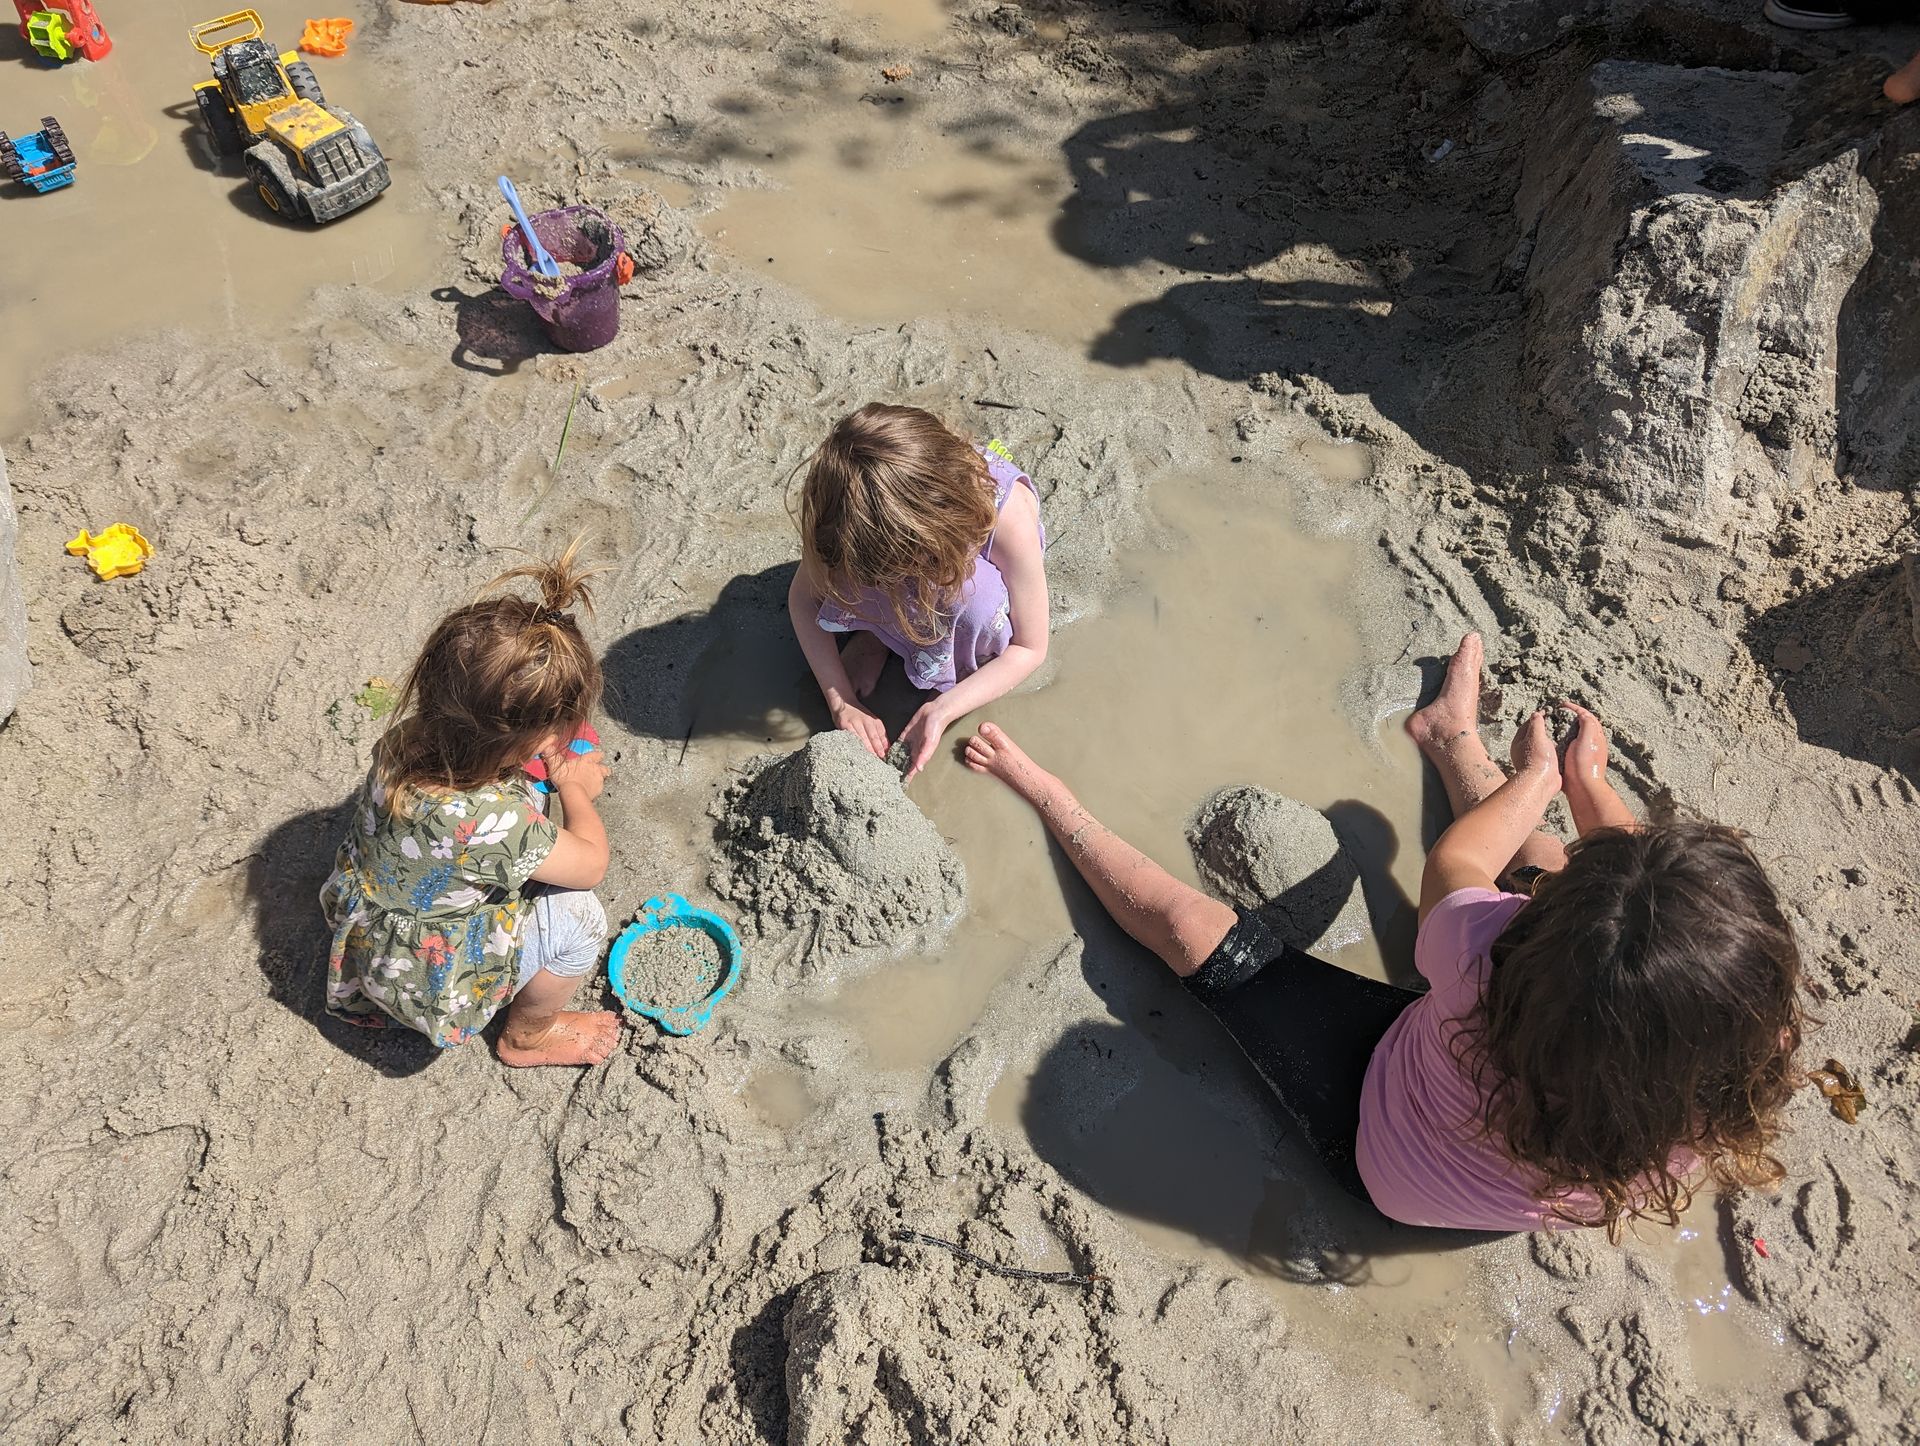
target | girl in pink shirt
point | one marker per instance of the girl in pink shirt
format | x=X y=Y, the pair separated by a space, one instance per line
x=1605 y=1023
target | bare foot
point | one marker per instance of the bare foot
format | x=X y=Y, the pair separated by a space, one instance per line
x=574 y=1037
x=992 y=752
x=864 y=658
x=1456 y=712
x=1903 y=86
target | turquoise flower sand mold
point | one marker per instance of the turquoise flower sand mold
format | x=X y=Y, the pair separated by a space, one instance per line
x=674 y=963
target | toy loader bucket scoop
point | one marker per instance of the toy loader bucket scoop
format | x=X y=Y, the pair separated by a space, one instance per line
x=200 y=33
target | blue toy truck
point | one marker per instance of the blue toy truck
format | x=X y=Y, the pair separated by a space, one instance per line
x=43 y=160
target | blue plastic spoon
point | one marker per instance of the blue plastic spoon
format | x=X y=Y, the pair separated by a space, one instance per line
x=542 y=262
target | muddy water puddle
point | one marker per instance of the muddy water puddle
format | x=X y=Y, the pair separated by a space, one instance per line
x=884 y=222
x=1219 y=662
x=149 y=235
x=899 y=22
x=1730 y=1344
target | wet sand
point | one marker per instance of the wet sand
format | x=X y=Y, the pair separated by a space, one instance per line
x=1215 y=367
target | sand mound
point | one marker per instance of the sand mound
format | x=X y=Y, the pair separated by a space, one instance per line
x=1261 y=851
x=825 y=838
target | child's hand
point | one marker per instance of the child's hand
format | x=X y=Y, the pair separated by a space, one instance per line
x=922 y=735
x=584 y=771
x=1533 y=752
x=864 y=726
x=1585 y=760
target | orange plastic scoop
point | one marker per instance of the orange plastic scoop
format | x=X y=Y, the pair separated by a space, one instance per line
x=326 y=37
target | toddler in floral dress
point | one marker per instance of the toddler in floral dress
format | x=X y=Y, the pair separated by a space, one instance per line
x=453 y=893
x=916 y=543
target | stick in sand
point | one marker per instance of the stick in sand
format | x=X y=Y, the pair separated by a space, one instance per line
x=1011 y=1272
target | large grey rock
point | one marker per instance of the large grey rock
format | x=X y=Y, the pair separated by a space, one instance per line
x=1690 y=259
x=1282 y=17
x=16 y=673
x=1520 y=27
x=1879 y=363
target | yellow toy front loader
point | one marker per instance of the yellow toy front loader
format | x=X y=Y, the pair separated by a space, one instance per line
x=307 y=160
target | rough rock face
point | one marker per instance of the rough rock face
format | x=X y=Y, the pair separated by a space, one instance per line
x=1879 y=384
x=16 y=673
x=1261 y=851
x=1510 y=28
x=1283 y=17
x=1688 y=268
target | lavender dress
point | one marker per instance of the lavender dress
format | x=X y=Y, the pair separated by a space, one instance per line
x=982 y=624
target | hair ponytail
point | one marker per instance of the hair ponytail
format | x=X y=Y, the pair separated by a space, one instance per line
x=562 y=581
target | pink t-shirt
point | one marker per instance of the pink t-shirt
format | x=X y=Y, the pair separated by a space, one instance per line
x=1419 y=1151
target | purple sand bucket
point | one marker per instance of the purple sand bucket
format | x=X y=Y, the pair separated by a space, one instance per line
x=580 y=312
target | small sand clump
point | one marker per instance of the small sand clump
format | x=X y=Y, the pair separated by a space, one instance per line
x=825 y=838
x=673 y=968
x=1260 y=850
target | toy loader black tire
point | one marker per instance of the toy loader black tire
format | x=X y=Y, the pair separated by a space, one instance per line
x=272 y=191
x=219 y=122
x=305 y=83
x=57 y=140
x=10 y=166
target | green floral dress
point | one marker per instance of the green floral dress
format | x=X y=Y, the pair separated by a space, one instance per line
x=425 y=910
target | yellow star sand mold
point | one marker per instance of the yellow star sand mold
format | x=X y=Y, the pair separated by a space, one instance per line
x=117 y=551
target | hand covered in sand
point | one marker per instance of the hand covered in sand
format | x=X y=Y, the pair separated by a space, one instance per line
x=1533 y=752
x=584 y=771
x=1584 y=762
x=922 y=735
x=864 y=726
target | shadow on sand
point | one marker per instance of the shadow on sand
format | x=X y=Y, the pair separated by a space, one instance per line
x=283 y=886
x=1159 y=1116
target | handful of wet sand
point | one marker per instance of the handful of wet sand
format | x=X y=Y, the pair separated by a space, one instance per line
x=826 y=839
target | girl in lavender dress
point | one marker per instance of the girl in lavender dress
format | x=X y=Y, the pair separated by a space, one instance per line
x=915 y=542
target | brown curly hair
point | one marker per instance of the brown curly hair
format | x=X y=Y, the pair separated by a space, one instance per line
x=494 y=680
x=1645 y=1000
x=896 y=501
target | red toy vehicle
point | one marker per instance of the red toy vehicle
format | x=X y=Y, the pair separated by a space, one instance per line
x=58 y=30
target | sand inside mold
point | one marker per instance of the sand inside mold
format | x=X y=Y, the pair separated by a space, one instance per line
x=1214 y=297
x=674 y=968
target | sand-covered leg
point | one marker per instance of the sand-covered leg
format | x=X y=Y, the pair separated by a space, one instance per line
x=542 y=1030
x=1448 y=732
x=1178 y=922
x=865 y=658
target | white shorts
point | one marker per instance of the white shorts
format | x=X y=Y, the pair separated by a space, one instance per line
x=561 y=931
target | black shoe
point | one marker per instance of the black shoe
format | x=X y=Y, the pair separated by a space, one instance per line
x=1808 y=14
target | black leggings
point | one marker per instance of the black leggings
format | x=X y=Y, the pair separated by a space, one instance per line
x=1308 y=1026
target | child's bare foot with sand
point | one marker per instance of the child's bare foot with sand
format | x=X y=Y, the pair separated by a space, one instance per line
x=864 y=658
x=992 y=752
x=569 y=1037
x=1456 y=712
